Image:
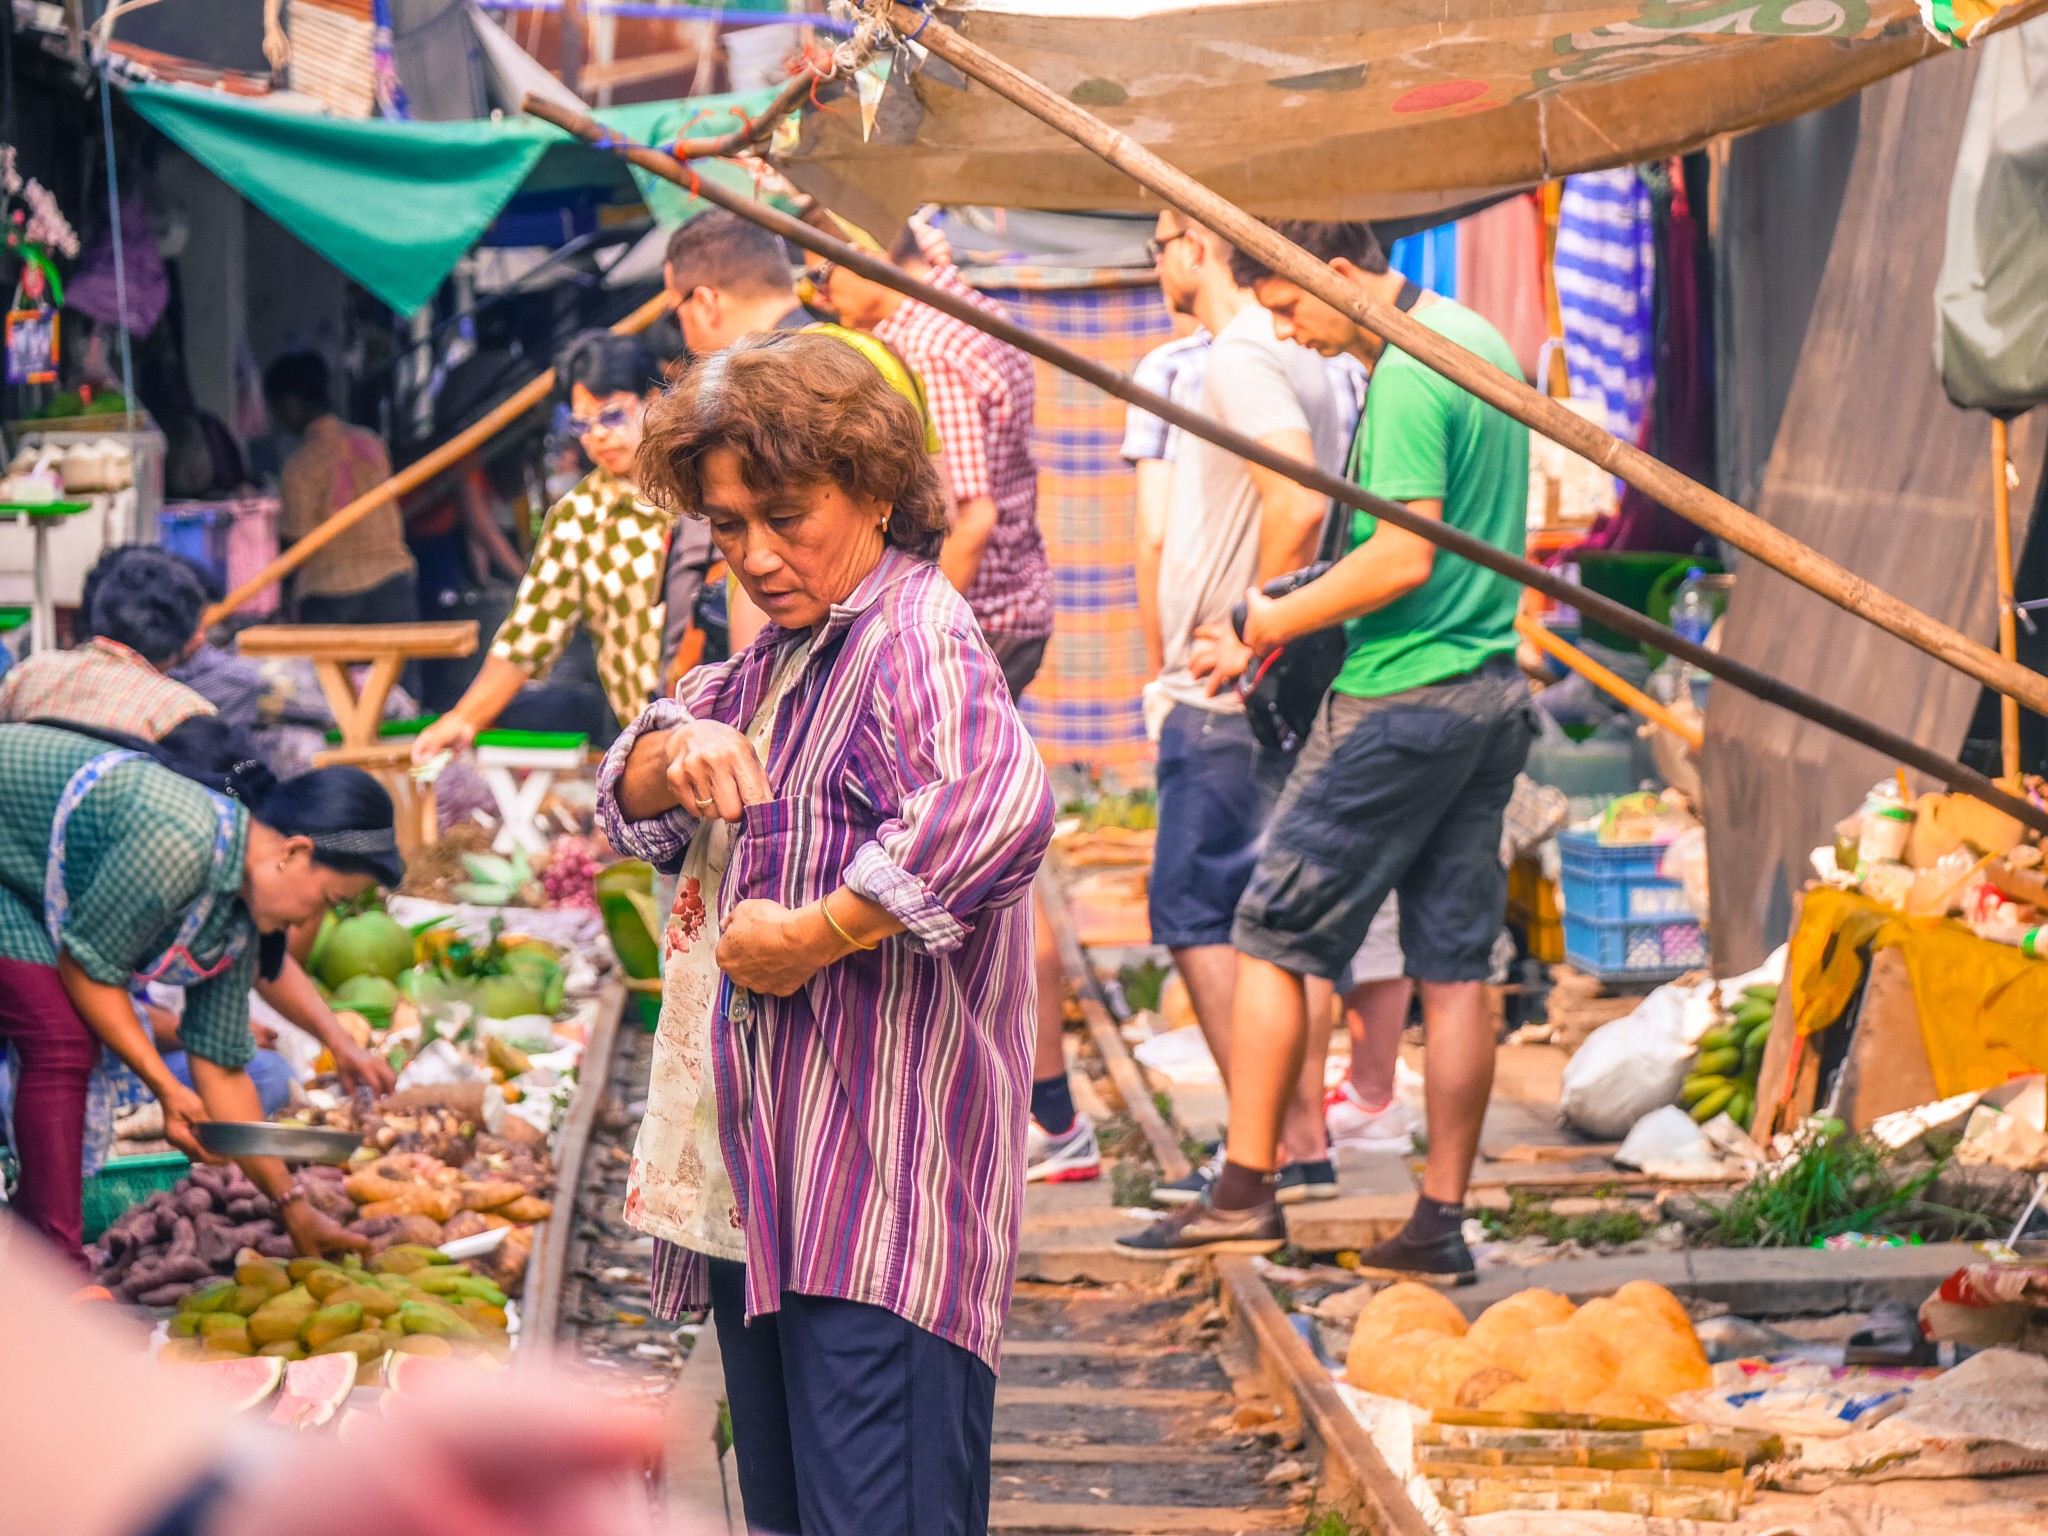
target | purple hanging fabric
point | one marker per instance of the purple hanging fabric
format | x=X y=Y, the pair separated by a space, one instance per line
x=92 y=291
x=391 y=97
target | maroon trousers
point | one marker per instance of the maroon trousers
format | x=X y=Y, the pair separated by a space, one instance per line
x=55 y=1052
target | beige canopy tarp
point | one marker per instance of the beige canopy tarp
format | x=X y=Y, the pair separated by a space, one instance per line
x=1348 y=108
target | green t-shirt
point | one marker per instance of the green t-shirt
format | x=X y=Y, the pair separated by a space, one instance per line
x=1424 y=438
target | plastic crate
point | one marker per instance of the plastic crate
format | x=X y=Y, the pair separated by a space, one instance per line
x=124 y=1183
x=1621 y=950
x=1622 y=920
x=1608 y=881
x=198 y=533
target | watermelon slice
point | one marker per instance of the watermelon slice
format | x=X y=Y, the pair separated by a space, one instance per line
x=405 y=1373
x=314 y=1390
x=241 y=1384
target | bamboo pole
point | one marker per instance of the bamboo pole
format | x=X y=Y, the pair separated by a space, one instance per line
x=1344 y=492
x=2008 y=615
x=1710 y=510
x=419 y=472
x=1608 y=681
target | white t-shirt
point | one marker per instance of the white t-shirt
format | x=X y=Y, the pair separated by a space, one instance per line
x=1257 y=385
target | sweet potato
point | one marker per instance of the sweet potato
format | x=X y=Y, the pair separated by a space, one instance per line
x=184 y=1238
x=277 y=1246
x=195 y=1201
x=489 y=1194
x=505 y=1265
x=423 y=1230
x=166 y=1295
x=417 y=1200
x=373 y=1228
x=527 y=1208
x=464 y=1224
x=370 y=1187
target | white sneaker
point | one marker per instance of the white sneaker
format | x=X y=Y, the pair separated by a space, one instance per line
x=1351 y=1124
x=1064 y=1159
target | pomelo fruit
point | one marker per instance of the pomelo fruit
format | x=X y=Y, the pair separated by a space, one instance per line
x=371 y=996
x=368 y=944
x=507 y=997
x=242 y=1384
x=314 y=1390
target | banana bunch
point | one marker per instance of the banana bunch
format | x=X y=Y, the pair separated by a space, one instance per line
x=1723 y=1076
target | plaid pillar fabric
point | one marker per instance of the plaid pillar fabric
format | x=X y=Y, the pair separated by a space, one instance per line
x=981 y=401
x=1084 y=705
x=600 y=562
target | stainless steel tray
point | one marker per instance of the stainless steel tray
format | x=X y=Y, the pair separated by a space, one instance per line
x=293 y=1143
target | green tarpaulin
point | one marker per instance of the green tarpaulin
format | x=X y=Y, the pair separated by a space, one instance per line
x=395 y=204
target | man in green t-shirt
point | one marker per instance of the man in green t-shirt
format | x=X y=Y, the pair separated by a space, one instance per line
x=1408 y=769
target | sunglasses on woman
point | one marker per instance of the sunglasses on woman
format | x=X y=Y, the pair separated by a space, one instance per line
x=613 y=418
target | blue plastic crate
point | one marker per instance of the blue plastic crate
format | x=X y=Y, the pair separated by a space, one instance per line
x=1619 y=949
x=198 y=533
x=1609 y=881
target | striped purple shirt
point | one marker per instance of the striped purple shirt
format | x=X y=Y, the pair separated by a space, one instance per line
x=873 y=1123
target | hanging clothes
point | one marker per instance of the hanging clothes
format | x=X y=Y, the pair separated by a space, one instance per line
x=1500 y=273
x=1678 y=426
x=1606 y=270
x=1429 y=259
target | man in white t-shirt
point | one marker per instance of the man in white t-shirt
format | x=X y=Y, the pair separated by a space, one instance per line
x=1228 y=524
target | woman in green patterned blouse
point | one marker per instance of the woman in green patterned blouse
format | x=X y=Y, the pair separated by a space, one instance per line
x=115 y=869
x=600 y=560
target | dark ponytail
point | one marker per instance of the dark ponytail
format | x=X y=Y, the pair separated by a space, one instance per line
x=345 y=811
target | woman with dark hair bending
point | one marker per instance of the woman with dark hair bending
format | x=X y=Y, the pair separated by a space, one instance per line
x=114 y=869
x=833 y=1151
x=599 y=562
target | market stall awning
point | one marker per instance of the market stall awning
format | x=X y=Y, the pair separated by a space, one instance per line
x=1351 y=108
x=396 y=204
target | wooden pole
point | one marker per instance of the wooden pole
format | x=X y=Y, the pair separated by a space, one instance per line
x=1344 y=492
x=2008 y=616
x=419 y=472
x=1710 y=510
x=572 y=45
x=1608 y=681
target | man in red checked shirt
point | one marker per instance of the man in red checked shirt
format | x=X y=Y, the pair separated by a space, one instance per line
x=982 y=394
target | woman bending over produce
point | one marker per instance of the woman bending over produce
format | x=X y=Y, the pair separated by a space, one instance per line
x=115 y=869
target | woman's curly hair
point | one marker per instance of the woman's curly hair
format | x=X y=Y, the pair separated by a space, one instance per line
x=796 y=408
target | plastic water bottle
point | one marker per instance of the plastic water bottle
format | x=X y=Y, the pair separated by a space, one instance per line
x=1692 y=616
x=1692 y=613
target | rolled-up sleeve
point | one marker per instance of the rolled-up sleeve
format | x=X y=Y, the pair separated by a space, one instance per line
x=660 y=840
x=973 y=805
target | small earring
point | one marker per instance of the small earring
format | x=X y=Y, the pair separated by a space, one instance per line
x=280 y=866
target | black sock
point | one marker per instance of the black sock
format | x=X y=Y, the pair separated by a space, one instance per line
x=1238 y=1188
x=1433 y=1220
x=1052 y=1105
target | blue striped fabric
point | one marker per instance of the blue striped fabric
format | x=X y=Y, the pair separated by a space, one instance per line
x=1606 y=286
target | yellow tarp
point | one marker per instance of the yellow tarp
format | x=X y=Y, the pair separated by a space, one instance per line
x=1983 y=1006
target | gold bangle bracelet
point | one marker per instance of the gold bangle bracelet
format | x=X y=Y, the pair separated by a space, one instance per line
x=833 y=923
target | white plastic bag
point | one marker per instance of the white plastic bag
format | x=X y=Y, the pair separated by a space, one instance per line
x=1665 y=1138
x=1635 y=1064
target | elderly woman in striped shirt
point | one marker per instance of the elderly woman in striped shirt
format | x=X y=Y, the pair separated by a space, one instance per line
x=833 y=1154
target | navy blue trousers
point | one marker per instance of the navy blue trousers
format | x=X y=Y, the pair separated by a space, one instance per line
x=849 y=1421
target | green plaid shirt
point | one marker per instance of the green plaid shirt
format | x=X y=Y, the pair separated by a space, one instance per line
x=138 y=854
x=599 y=562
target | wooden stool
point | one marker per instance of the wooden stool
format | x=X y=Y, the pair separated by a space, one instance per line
x=539 y=755
x=358 y=712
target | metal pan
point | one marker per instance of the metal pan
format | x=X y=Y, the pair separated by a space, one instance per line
x=293 y=1143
